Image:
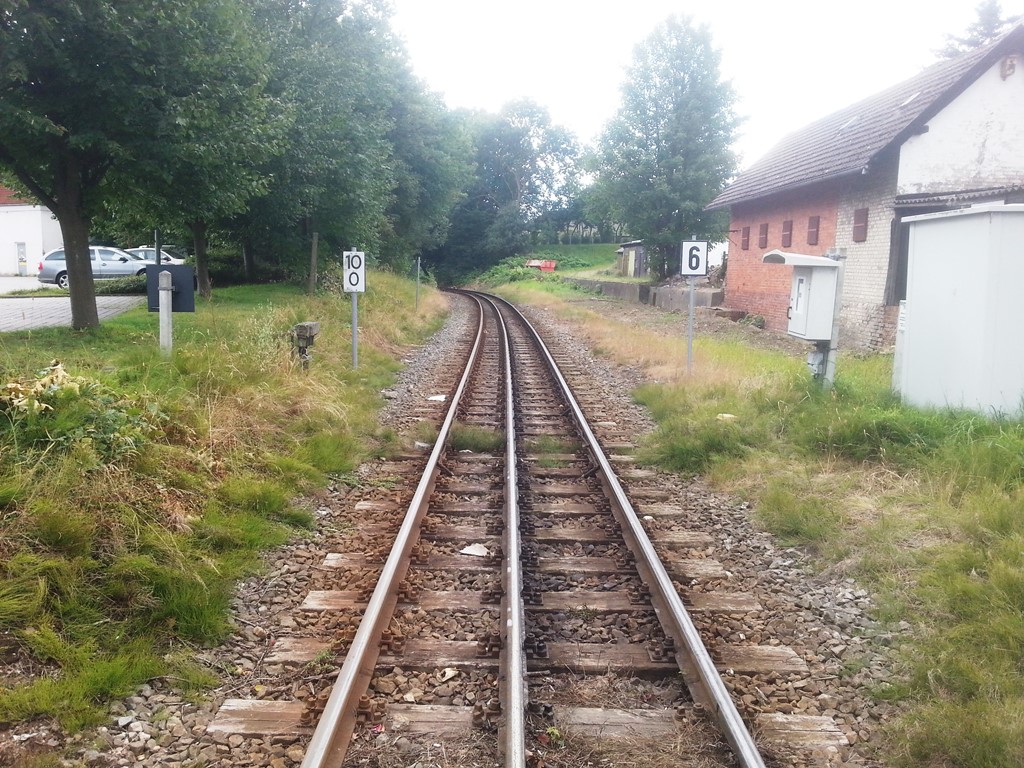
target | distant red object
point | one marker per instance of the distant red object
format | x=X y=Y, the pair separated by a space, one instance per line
x=544 y=265
x=9 y=197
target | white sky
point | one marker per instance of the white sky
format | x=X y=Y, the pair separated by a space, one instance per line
x=790 y=61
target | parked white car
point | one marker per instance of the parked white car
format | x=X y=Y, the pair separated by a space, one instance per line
x=147 y=253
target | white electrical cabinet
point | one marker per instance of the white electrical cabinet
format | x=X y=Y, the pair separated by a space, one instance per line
x=812 y=297
x=812 y=302
x=960 y=343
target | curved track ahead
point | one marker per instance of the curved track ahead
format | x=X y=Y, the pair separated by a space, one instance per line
x=543 y=496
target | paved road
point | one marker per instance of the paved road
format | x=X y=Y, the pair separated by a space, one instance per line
x=23 y=313
x=10 y=283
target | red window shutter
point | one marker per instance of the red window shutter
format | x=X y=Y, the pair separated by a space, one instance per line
x=762 y=236
x=813 y=223
x=745 y=239
x=860 y=225
x=787 y=233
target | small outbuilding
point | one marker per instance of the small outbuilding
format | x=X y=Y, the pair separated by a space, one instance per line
x=631 y=259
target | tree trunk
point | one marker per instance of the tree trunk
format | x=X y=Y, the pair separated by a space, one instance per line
x=74 y=228
x=248 y=260
x=661 y=263
x=199 y=241
x=311 y=288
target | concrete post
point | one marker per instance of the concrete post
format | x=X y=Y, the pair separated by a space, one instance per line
x=165 y=288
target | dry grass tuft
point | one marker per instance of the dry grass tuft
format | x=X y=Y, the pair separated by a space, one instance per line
x=694 y=744
x=658 y=346
x=393 y=749
x=612 y=691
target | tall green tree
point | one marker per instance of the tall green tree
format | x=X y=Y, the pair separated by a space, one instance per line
x=433 y=165
x=986 y=27
x=335 y=175
x=526 y=166
x=88 y=85
x=598 y=209
x=667 y=153
x=526 y=161
x=216 y=133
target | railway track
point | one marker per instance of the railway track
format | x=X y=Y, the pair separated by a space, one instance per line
x=512 y=605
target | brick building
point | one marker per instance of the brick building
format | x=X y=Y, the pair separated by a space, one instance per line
x=945 y=139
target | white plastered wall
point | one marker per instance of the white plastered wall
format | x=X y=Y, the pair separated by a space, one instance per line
x=29 y=224
x=975 y=141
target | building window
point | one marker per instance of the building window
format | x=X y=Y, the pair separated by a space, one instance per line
x=745 y=239
x=860 y=225
x=812 y=229
x=762 y=236
x=787 y=233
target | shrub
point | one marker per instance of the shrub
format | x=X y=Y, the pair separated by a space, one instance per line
x=54 y=413
x=62 y=530
x=514 y=270
x=467 y=437
x=876 y=433
x=263 y=497
x=121 y=286
x=21 y=599
x=797 y=518
x=691 y=445
x=757 y=321
x=333 y=452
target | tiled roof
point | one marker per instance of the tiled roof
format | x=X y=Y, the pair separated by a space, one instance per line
x=847 y=141
x=1008 y=193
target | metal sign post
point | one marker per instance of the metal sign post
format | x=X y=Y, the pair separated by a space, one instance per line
x=355 y=283
x=355 y=330
x=417 y=283
x=693 y=264
x=692 y=283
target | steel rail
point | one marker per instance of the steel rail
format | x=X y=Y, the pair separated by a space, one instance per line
x=702 y=678
x=512 y=690
x=330 y=740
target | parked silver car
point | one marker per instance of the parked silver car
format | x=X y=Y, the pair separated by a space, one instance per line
x=107 y=263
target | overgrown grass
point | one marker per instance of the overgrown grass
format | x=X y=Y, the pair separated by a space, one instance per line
x=578 y=258
x=924 y=506
x=550 y=451
x=548 y=444
x=470 y=437
x=575 y=260
x=135 y=489
x=957 y=573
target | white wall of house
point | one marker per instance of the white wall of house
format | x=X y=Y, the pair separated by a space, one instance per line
x=974 y=142
x=32 y=225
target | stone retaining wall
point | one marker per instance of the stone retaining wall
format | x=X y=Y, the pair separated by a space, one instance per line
x=668 y=297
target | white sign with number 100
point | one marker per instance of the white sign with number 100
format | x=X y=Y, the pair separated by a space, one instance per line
x=695 y=258
x=355 y=272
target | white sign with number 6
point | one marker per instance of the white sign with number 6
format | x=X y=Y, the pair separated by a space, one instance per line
x=695 y=258
x=355 y=272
